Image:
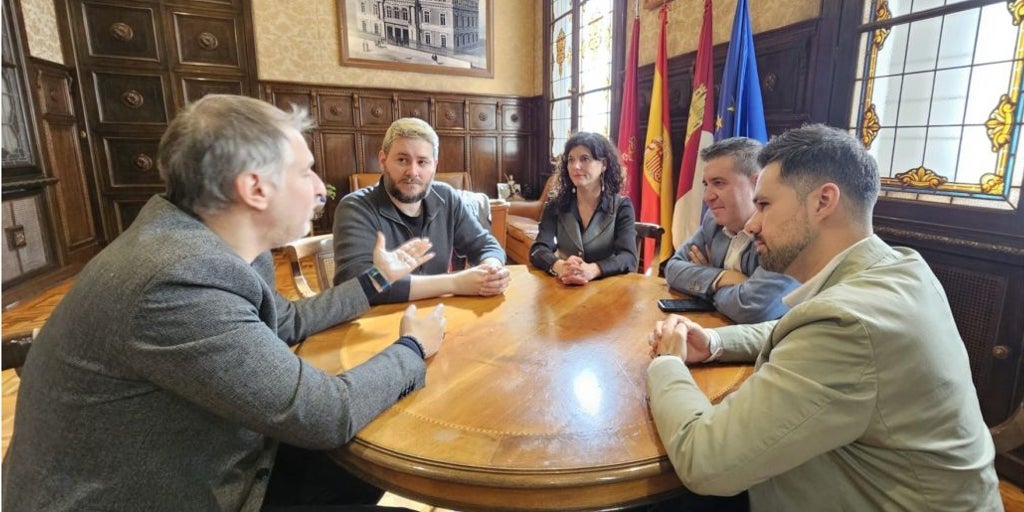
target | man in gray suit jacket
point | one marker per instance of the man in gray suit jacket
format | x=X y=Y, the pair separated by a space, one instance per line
x=164 y=379
x=719 y=263
x=862 y=397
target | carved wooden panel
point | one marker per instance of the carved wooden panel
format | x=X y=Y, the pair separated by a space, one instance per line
x=450 y=114
x=514 y=117
x=375 y=111
x=451 y=156
x=131 y=98
x=206 y=40
x=336 y=109
x=121 y=31
x=339 y=159
x=125 y=211
x=483 y=116
x=132 y=162
x=73 y=194
x=369 y=145
x=414 y=107
x=515 y=151
x=194 y=88
x=285 y=99
x=54 y=94
x=484 y=163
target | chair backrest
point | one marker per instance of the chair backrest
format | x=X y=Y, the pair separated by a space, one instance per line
x=318 y=250
x=645 y=230
x=15 y=347
x=358 y=180
x=1009 y=435
x=459 y=180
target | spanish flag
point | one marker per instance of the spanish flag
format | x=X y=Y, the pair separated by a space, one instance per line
x=657 y=193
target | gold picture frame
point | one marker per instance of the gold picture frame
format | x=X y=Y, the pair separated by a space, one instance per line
x=407 y=36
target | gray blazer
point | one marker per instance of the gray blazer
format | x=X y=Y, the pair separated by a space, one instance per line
x=757 y=299
x=164 y=379
x=861 y=399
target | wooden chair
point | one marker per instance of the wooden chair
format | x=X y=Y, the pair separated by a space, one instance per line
x=1009 y=435
x=645 y=230
x=15 y=347
x=459 y=180
x=321 y=249
x=358 y=180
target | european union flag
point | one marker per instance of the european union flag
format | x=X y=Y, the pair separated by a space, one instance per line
x=740 y=109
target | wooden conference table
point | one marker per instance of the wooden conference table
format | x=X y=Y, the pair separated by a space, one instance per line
x=536 y=400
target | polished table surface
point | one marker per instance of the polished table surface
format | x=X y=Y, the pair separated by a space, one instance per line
x=536 y=400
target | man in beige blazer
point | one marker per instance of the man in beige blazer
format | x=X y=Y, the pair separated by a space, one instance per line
x=862 y=396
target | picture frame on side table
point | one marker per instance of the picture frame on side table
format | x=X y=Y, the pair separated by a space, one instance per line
x=406 y=35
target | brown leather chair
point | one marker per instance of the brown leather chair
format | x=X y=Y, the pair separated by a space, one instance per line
x=1009 y=435
x=524 y=221
x=358 y=180
x=645 y=230
x=320 y=249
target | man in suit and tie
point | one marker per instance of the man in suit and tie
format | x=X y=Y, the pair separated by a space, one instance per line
x=719 y=263
x=862 y=397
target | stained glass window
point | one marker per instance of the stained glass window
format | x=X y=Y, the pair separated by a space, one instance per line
x=937 y=99
x=580 y=68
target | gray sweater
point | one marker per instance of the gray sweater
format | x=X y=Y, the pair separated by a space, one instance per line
x=164 y=378
x=453 y=231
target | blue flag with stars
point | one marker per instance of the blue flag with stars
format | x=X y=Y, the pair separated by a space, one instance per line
x=740 y=108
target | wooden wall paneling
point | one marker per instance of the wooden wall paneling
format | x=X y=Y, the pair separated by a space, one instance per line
x=195 y=87
x=415 y=106
x=337 y=109
x=450 y=114
x=75 y=213
x=515 y=157
x=484 y=163
x=483 y=116
x=207 y=40
x=376 y=110
x=339 y=159
x=452 y=154
x=131 y=98
x=124 y=32
x=286 y=98
x=125 y=211
x=369 y=147
x=132 y=163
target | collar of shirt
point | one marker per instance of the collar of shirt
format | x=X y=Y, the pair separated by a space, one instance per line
x=813 y=285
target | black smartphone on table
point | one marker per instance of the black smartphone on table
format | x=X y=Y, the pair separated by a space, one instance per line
x=684 y=305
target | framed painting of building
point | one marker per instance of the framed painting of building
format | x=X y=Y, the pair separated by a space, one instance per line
x=452 y=37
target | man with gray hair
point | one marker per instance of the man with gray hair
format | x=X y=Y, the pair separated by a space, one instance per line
x=718 y=263
x=408 y=203
x=164 y=379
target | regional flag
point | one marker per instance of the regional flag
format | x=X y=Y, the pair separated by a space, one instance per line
x=740 y=109
x=629 y=146
x=657 y=196
x=699 y=127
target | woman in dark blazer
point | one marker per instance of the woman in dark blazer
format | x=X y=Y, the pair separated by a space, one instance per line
x=587 y=231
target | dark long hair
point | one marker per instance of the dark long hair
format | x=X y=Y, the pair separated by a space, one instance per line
x=602 y=149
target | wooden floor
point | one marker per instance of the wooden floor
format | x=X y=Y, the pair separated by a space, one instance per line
x=32 y=312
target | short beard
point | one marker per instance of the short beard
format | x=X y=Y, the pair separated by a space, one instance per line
x=779 y=259
x=393 y=191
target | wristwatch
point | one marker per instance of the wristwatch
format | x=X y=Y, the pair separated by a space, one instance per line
x=378 y=279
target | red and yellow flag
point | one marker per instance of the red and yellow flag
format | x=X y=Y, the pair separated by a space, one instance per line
x=700 y=129
x=657 y=192
x=629 y=146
